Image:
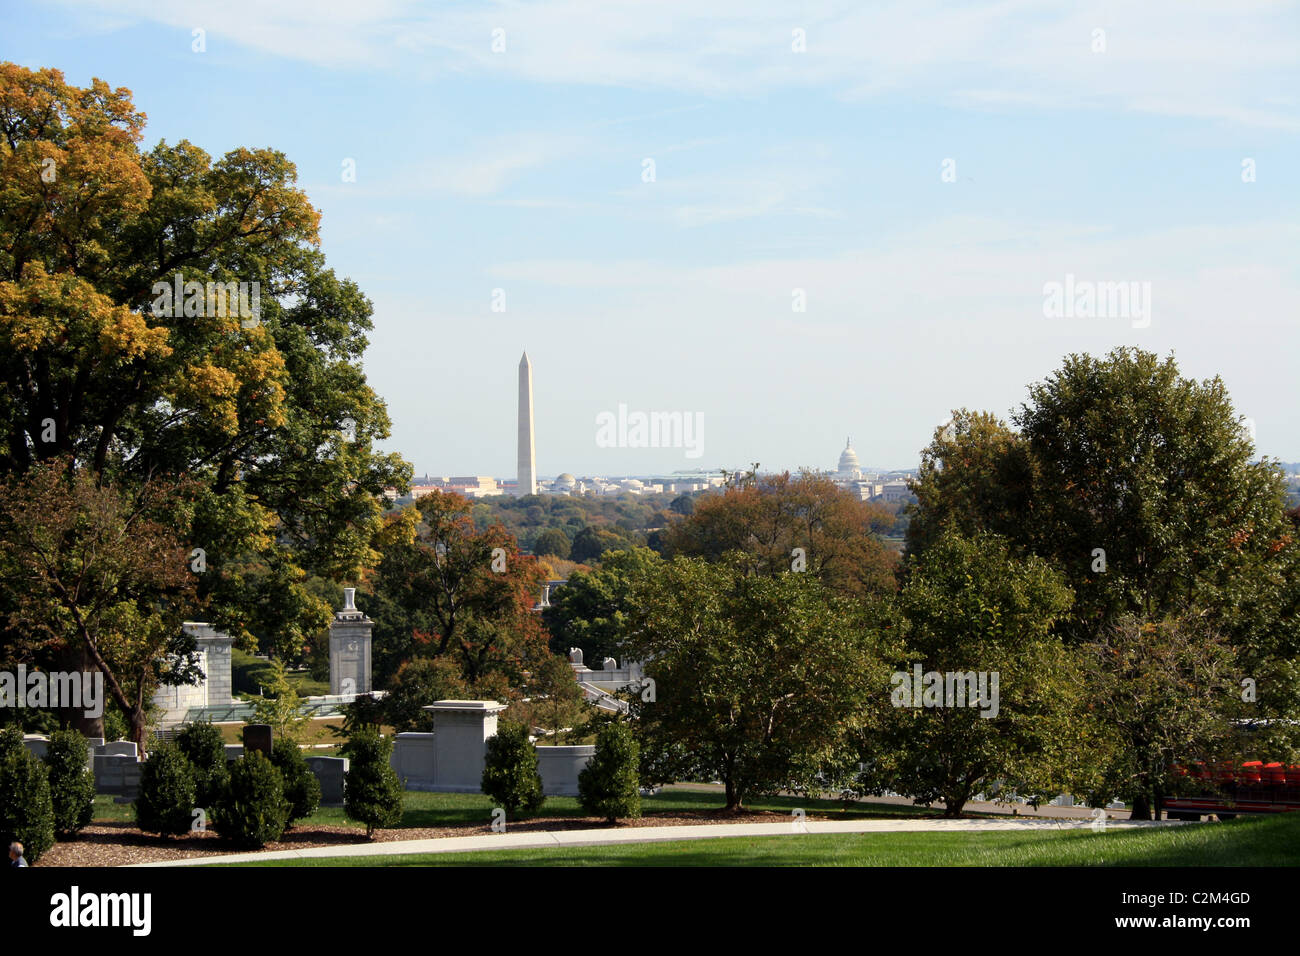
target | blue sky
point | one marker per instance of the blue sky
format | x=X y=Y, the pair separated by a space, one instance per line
x=775 y=170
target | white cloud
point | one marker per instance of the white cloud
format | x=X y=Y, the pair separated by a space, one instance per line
x=1214 y=59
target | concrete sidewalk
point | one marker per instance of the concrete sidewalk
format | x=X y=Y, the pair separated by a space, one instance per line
x=621 y=835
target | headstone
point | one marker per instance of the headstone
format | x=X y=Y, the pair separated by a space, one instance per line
x=37 y=745
x=350 y=648
x=258 y=737
x=120 y=748
x=330 y=772
x=575 y=655
x=609 y=664
x=234 y=752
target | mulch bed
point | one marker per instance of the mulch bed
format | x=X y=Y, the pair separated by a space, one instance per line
x=120 y=844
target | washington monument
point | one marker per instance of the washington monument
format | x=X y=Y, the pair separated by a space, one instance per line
x=527 y=484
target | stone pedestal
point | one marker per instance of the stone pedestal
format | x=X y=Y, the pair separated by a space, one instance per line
x=461 y=729
x=350 y=648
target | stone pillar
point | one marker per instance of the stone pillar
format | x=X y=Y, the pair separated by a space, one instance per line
x=461 y=729
x=350 y=648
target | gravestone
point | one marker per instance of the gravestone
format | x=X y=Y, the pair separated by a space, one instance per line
x=258 y=737
x=350 y=648
x=119 y=748
x=330 y=772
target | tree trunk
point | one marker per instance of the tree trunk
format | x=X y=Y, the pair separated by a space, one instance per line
x=78 y=658
x=733 y=797
x=138 y=728
x=1141 y=806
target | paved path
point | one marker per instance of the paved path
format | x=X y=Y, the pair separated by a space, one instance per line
x=620 y=835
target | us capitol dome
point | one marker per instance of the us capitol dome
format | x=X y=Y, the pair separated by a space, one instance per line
x=849 y=466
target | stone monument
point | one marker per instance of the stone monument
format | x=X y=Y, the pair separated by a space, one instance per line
x=350 y=648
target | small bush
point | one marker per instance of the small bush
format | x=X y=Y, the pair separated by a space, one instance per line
x=301 y=788
x=205 y=749
x=72 y=785
x=26 y=808
x=510 y=774
x=610 y=785
x=372 y=792
x=252 y=810
x=165 y=804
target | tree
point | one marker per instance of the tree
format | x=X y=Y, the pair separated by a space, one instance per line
x=610 y=785
x=1164 y=690
x=257 y=396
x=455 y=591
x=417 y=684
x=104 y=581
x=301 y=788
x=281 y=707
x=165 y=804
x=976 y=475
x=26 y=806
x=761 y=682
x=766 y=518
x=72 y=785
x=590 y=544
x=552 y=541
x=1011 y=714
x=556 y=702
x=372 y=793
x=593 y=610
x=204 y=747
x=510 y=774
x=252 y=810
x=683 y=505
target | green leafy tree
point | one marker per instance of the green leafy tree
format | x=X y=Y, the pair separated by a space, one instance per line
x=265 y=408
x=281 y=706
x=610 y=785
x=252 y=810
x=760 y=682
x=204 y=747
x=301 y=788
x=555 y=701
x=72 y=785
x=372 y=792
x=26 y=805
x=166 y=802
x=417 y=684
x=968 y=609
x=510 y=774
x=593 y=610
x=591 y=544
x=552 y=541
x=1164 y=690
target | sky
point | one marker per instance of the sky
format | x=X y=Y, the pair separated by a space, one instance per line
x=795 y=222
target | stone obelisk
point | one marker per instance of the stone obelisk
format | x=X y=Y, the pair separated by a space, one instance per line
x=527 y=484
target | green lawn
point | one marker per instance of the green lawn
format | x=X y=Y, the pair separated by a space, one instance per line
x=1271 y=841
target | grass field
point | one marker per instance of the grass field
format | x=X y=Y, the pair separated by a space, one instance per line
x=1271 y=841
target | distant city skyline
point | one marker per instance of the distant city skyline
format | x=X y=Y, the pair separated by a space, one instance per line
x=679 y=209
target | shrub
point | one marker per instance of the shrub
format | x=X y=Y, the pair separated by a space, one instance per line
x=372 y=793
x=165 y=804
x=205 y=749
x=301 y=788
x=610 y=785
x=252 y=810
x=72 y=785
x=26 y=809
x=510 y=774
